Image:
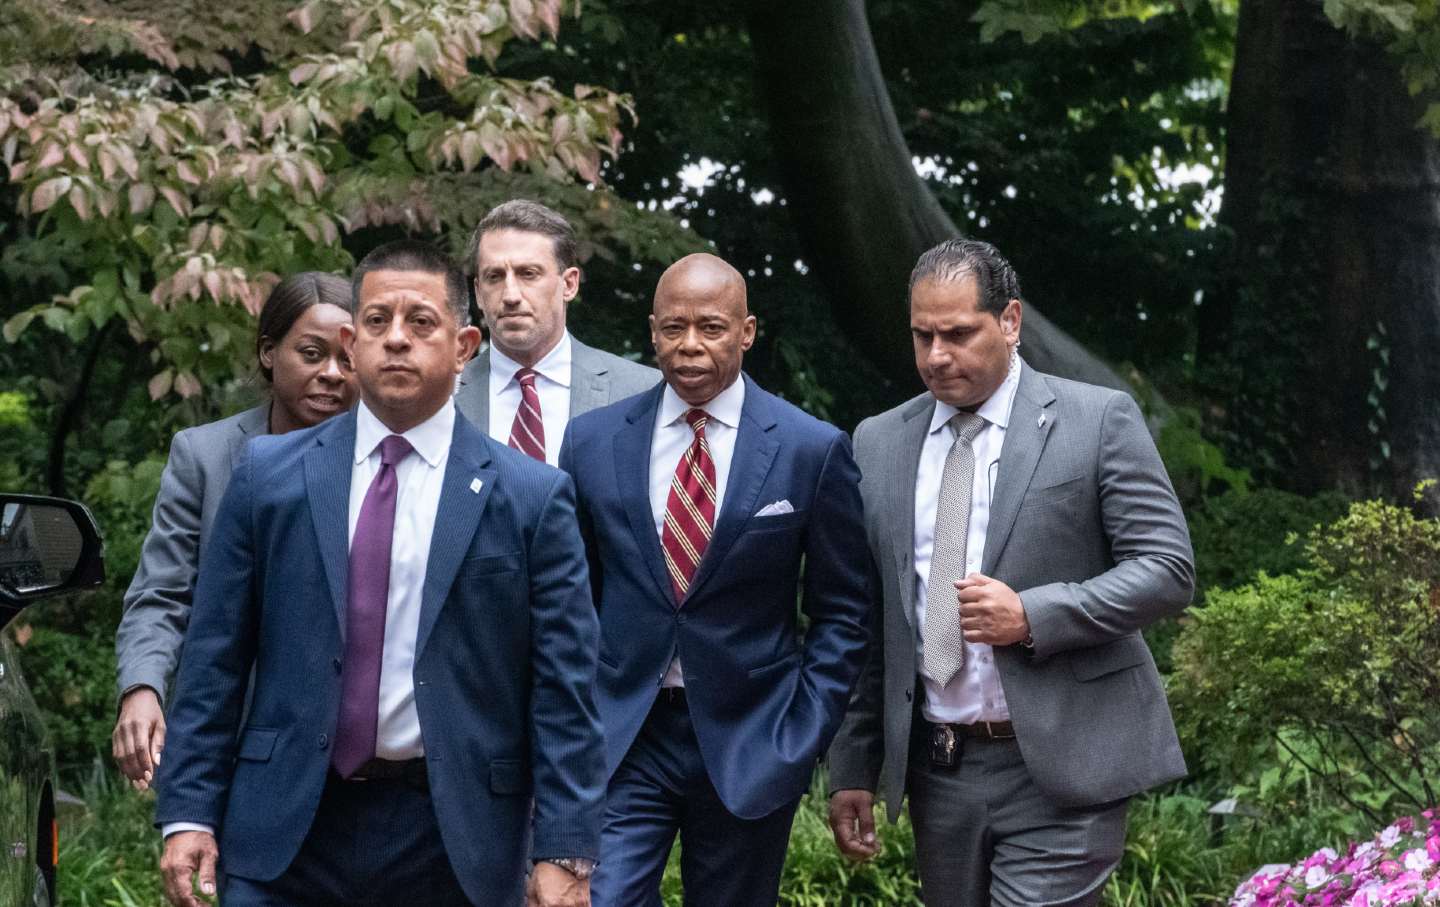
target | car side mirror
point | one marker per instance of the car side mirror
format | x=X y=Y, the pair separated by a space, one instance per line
x=48 y=546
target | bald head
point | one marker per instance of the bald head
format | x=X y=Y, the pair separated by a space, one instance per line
x=701 y=326
x=702 y=275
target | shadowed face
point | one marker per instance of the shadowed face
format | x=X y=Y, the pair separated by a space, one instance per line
x=961 y=351
x=311 y=379
x=701 y=327
x=406 y=346
x=522 y=292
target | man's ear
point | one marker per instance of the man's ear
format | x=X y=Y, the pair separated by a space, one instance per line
x=469 y=341
x=570 y=277
x=347 y=341
x=1011 y=318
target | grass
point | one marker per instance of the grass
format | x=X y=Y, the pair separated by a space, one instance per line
x=110 y=853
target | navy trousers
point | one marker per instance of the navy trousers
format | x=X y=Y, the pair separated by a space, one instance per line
x=373 y=844
x=661 y=789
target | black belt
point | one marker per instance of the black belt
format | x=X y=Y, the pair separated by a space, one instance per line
x=985 y=730
x=943 y=740
x=411 y=770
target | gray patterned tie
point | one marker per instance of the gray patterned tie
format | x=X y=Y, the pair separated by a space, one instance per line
x=944 y=643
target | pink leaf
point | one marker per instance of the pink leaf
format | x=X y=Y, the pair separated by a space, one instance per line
x=142 y=196
x=52 y=155
x=159 y=385
x=80 y=201
x=48 y=193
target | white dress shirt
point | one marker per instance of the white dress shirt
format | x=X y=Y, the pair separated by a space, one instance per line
x=672 y=437
x=974 y=694
x=552 y=383
x=417 y=500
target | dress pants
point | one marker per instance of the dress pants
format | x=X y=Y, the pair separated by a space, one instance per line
x=985 y=834
x=661 y=788
x=373 y=844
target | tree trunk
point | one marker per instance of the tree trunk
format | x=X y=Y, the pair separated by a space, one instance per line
x=852 y=189
x=1333 y=197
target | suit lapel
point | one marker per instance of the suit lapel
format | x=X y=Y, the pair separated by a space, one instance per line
x=589 y=380
x=755 y=449
x=456 y=518
x=252 y=423
x=632 y=477
x=901 y=518
x=328 y=467
x=1024 y=441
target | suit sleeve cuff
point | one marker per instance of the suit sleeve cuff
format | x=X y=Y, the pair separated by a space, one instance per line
x=172 y=828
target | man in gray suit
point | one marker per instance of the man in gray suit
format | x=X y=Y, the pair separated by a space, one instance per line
x=534 y=376
x=1024 y=532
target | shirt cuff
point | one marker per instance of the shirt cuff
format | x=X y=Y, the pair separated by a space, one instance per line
x=170 y=828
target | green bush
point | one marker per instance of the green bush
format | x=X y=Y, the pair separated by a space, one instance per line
x=1331 y=670
x=109 y=850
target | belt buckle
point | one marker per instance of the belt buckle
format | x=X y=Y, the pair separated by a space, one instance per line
x=944 y=751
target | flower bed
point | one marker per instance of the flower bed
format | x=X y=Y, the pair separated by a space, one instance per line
x=1399 y=866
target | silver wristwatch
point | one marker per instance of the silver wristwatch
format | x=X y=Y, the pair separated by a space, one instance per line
x=581 y=868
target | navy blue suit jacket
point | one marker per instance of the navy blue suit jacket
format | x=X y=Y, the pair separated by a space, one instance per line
x=764 y=706
x=504 y=663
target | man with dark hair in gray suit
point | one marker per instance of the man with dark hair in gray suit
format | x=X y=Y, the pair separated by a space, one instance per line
x=534 y=376
x=1024 y=532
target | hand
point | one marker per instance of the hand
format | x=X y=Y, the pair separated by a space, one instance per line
x=852 y=821
x=990 y=611
x=553 y=886
x=188 y=853
x=139 y=736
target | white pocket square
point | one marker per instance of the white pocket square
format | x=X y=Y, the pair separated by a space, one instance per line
x=775 y=509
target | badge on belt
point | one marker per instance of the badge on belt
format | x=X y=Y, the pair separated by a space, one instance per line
x=944 y=748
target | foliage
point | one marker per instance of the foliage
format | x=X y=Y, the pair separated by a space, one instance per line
x=1331 y=667
x=1398 y=866
x=109 y=848
x=171 y=201
x=1409 y=29
x=1237 y=536
x=1193 y=462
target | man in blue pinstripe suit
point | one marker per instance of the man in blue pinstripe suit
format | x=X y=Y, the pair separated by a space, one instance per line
x=415 y=601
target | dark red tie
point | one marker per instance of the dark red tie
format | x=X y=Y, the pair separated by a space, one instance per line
x=527 y=432
x=690 y=508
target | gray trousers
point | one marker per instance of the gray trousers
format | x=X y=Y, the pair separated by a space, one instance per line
x=986 y=835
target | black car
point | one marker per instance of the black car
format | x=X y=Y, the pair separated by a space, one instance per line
x=47 y=546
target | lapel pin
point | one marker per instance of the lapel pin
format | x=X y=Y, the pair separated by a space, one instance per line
x=1041 y=423
x=475 y=485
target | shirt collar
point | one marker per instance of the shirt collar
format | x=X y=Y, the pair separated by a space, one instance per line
x=725 y=407
x=554 y=365
x=431 y=438
x=995 y=410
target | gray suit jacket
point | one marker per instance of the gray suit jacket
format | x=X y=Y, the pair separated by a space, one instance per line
x=1085 y=526
x=597 y=379
x=157 y=604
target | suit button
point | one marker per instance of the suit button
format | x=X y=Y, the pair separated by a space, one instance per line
x=335 y=663
x=907 y=695
x=324 y=741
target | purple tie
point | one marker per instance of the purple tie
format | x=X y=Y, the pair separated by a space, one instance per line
x=365 y=614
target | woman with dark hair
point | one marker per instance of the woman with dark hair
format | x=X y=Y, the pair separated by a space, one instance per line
x=299 y=354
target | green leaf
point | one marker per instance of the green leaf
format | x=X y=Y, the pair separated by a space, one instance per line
x=16 y=325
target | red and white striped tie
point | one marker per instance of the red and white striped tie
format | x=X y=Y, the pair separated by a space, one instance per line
x=527 y=432
x=690 y=509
